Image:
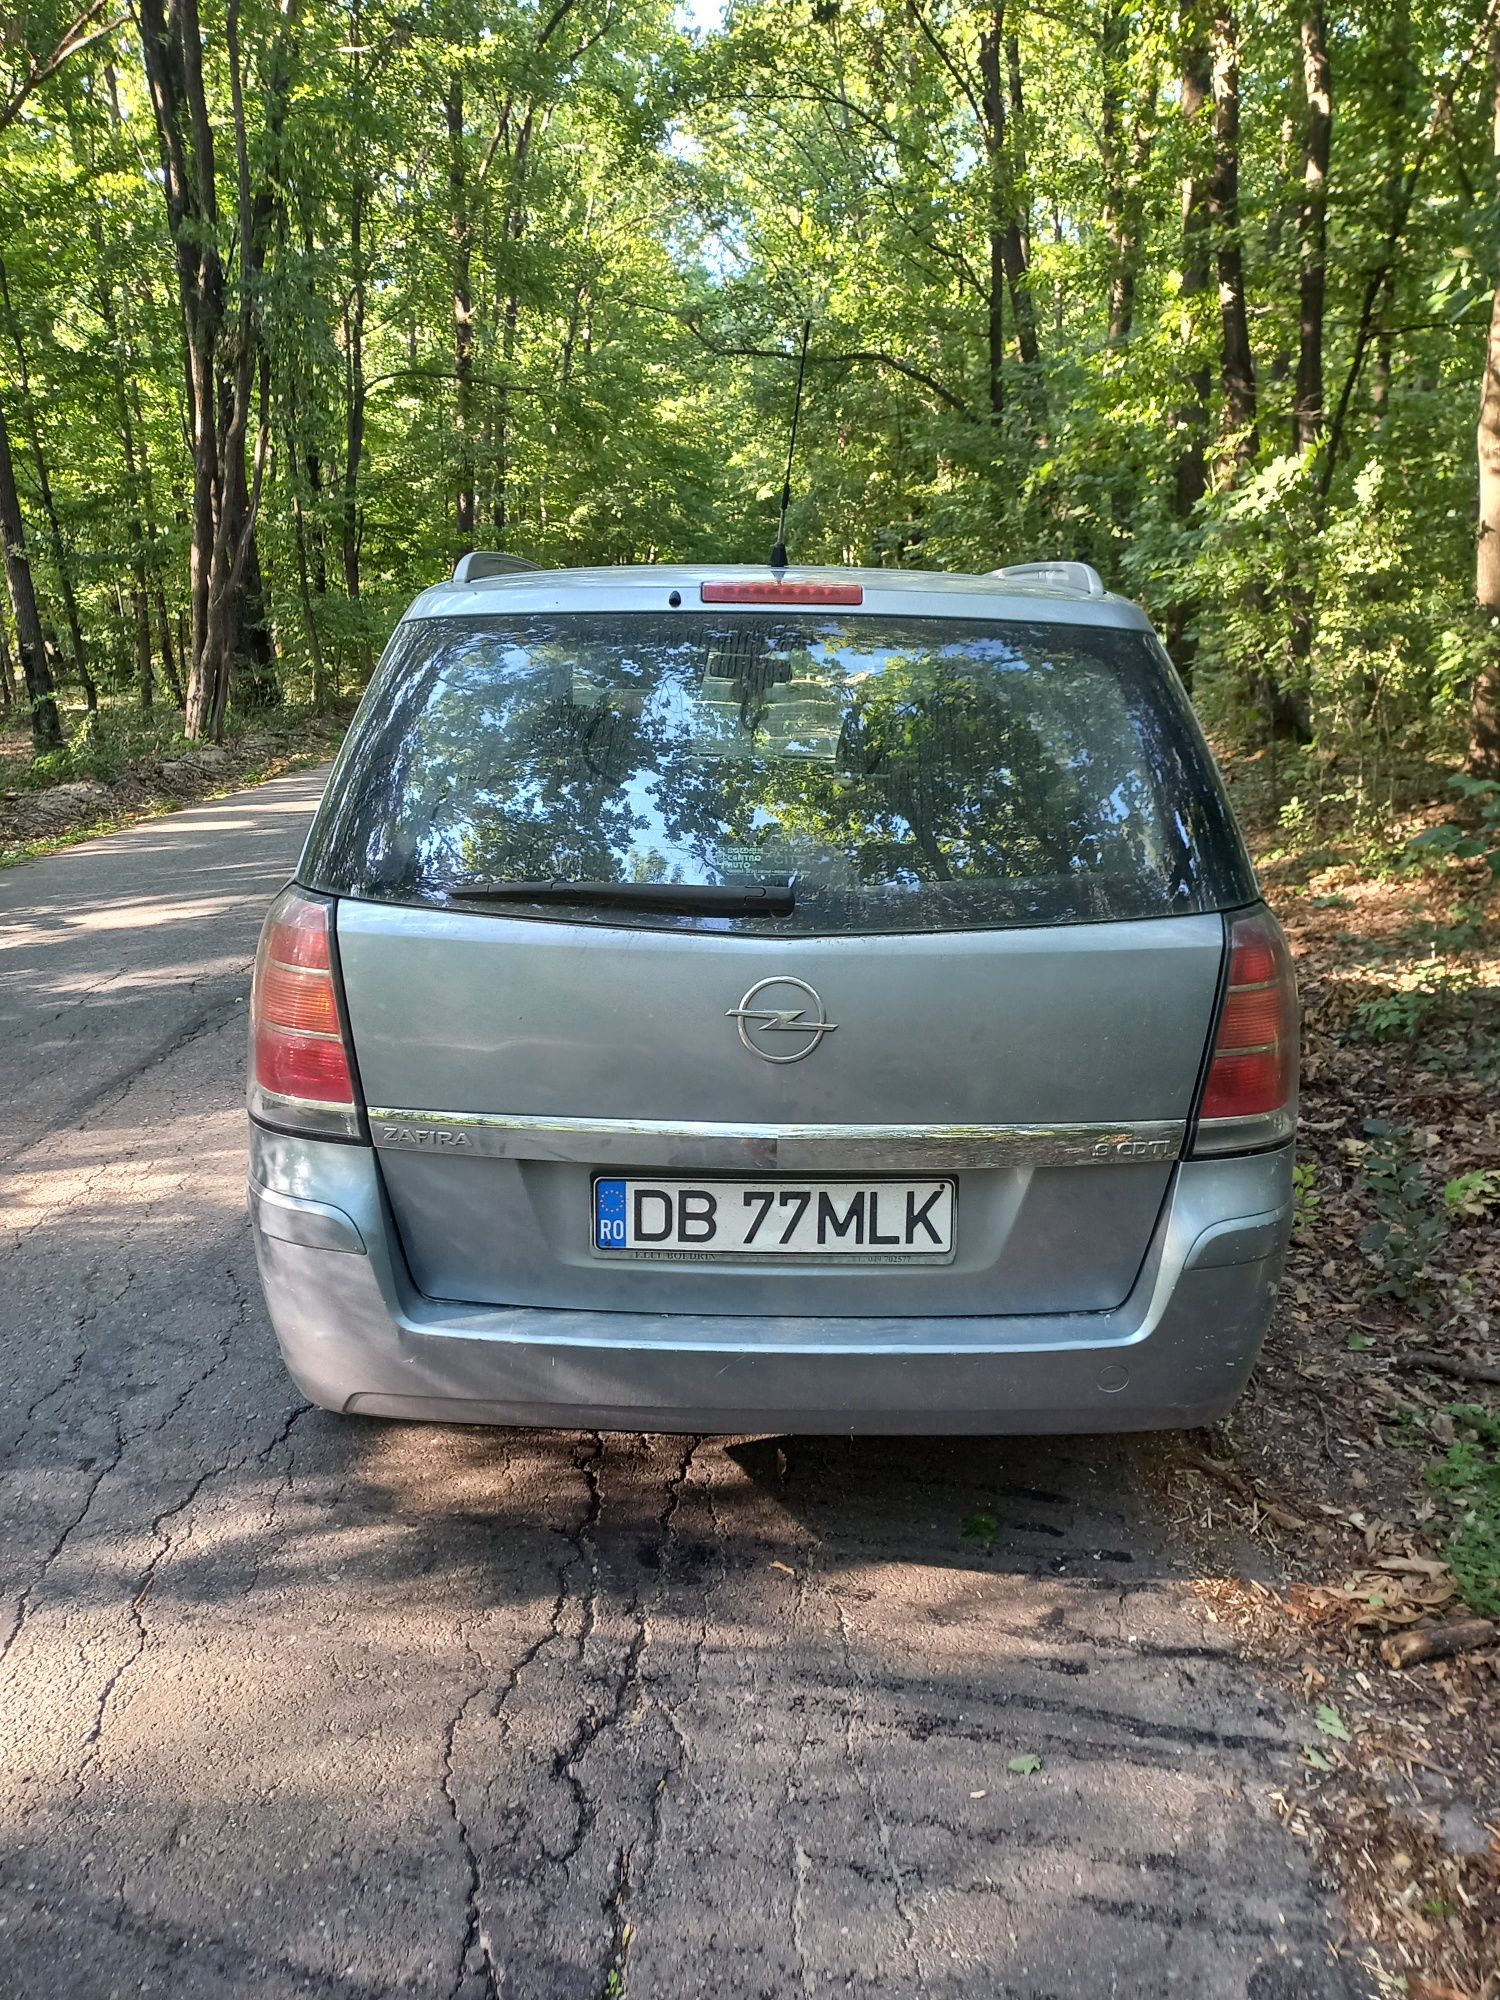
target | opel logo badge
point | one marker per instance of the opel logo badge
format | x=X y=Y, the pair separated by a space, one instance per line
x=805 y=1020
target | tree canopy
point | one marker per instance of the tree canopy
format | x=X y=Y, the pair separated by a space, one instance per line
x=298 y=300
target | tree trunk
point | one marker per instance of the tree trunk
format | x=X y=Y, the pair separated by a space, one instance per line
x=1016 y=241
x=1190 y=480
x=7 y=674
x=354 y=396
x=1307 y=408
x=994 y=322
x=500 y=505
x=60 y=556
x=145 y=669
x=1125 y=163
x=1484 y=713
x=460 y=234
x=172 y=50
x=254 y=642
x=1384 y=364
x=1018 y=283
x=302 y=463
x=219 y=352
x=1114 y=50
x=354 y=402
x=1484 y=710
x=1009 y=265
x=1237 y=365
x=1312 y=228
x=510 y=322
x=1192 y=415
x=164 y=645
x=314 y=644
x=144 y=514
x=116 y=323
x=354 y=346
x=1007 y=225
x=1397 y=103
x=134 y=526
x=1018 y=135
x=46 y=729
x=232 y=370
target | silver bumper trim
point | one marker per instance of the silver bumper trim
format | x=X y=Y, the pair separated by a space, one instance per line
x=316 y=1225
x=696 y=1145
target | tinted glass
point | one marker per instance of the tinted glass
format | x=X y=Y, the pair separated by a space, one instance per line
x=901 y=774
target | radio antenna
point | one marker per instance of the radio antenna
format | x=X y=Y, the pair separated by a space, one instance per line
x=778 y=553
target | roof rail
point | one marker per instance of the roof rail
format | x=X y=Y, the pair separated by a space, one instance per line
x=1060 y=574
x=480 y=563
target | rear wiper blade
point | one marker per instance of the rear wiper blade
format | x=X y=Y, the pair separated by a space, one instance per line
x=705 y=899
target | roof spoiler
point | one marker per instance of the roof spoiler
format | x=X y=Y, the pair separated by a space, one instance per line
x=480 y=563
x=1059 y=575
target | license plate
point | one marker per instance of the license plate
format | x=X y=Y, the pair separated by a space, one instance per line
x=707 y=1220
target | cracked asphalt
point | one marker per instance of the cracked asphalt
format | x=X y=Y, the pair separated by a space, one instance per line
x=293 y=1704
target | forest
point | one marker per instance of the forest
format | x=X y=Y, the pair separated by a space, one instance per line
x=298 y=300
x=302 y=299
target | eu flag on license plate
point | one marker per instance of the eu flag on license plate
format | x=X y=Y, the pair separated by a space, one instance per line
x=609 y=1215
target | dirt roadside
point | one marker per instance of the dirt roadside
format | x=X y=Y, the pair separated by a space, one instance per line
x=122 y=778
x=1348 y=1514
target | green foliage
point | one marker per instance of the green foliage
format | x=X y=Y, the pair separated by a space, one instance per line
x=1469 y=1475
x=645 y=212
x=1306 y=1200
x=1329 y=1722
x=125 y=739
x=1404 y=1013
x=1407 y=1228
x=1407 y=1429
x=982 y=1528
x=1466 y=843
x=1396 y=1016
x=1473 y=1194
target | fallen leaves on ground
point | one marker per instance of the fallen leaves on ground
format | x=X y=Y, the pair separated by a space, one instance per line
x=1388 y=1331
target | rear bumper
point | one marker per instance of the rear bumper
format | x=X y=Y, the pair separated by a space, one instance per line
x=358 y=1338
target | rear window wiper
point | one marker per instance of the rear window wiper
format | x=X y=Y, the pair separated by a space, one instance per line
x=706 y=899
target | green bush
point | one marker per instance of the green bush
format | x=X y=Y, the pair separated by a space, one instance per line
x=1470 y=1476
x=1407 y=1228
x=1466 y=843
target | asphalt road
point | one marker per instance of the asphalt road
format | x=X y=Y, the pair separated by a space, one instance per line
x=292 y=1704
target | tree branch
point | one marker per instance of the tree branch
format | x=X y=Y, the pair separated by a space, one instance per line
x=939 y=49
x=84 y=32
x=1365 y=332
x=448 y=375
x=878 y=356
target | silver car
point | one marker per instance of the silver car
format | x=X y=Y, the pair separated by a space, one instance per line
x=717 y=999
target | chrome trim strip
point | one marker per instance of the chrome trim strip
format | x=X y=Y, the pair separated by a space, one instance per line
x=694 y=1145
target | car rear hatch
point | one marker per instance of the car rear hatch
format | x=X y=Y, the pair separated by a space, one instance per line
x=971 y=1031
x=1049 y=1074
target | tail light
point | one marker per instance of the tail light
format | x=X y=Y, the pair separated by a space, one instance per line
x=1250 y=1092
x=301 y=1079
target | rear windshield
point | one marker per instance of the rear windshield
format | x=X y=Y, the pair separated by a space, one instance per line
x=900 y=774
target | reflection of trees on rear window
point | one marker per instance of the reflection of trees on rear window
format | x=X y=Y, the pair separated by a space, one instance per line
x=910 y=773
